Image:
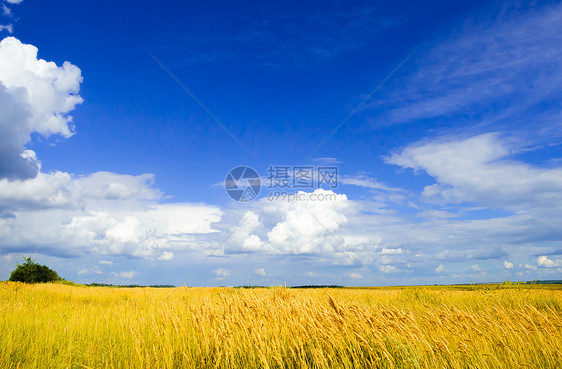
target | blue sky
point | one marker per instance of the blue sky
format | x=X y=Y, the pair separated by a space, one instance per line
x=449 y=164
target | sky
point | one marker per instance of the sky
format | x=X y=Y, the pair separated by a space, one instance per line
x=119 y=122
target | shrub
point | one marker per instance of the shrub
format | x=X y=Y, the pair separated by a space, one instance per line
x=32 y=272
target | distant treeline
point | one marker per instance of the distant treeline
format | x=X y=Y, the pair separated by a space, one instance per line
x=318 y=286
x=172 y=286
x=305 y=286
x=550 y=281
x=553 y=281
x=129 y=285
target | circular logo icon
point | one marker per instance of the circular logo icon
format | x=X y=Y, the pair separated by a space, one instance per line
x=242 y=184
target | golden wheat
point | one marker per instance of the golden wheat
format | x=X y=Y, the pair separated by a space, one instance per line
x=58 y=326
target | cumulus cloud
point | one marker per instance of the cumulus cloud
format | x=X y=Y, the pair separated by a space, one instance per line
x=291 y=227
x=62 y=214
x=103 y=213
x=166 y=256
x=545 y=262
x=481 y=170
x=507 y=265
x=387 y=268
x=478 y=169
x=143 y=232
x=63 y=190
x=355 y=275
x=305 y=225
x=35 y=96
x=440 y=268
x=386 y=241
x=260 y=271
x=243 y=237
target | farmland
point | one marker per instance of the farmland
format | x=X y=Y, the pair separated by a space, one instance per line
x=494 y=326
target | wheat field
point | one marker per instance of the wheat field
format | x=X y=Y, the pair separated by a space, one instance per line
x=60 y=326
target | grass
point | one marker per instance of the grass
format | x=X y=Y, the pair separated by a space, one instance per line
x=64 y=326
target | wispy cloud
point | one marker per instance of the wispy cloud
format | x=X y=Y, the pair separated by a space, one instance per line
x=504 y=72
x=367 y=182
x=6 y=11
x=7 y=27
x=326 y=161
x=277 y=35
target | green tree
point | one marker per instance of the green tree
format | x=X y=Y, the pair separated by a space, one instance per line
x=32 y=272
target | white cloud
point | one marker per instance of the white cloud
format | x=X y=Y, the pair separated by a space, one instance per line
x=305 y=225
x=113 y=186
x=475 y=268
x=477 y=169
x=544 y=261
x=326 y=161
x=387 y=241
x=386 y=251
x=260 y=271
x=440 y=268
x=64 y=216
x=243 y=238
x=507 y=265
x=387 y=268
x=366 y=182
x=127 y=275
x=83 y=271
x=6 y=11
x=355 y=275
x=222 y=273
x=106 y=262
x=7 y=27
x=14 y=1
x=295 y=227
x=433 y=214
x=35 y=96
x=166 y=256
x=59 y=213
